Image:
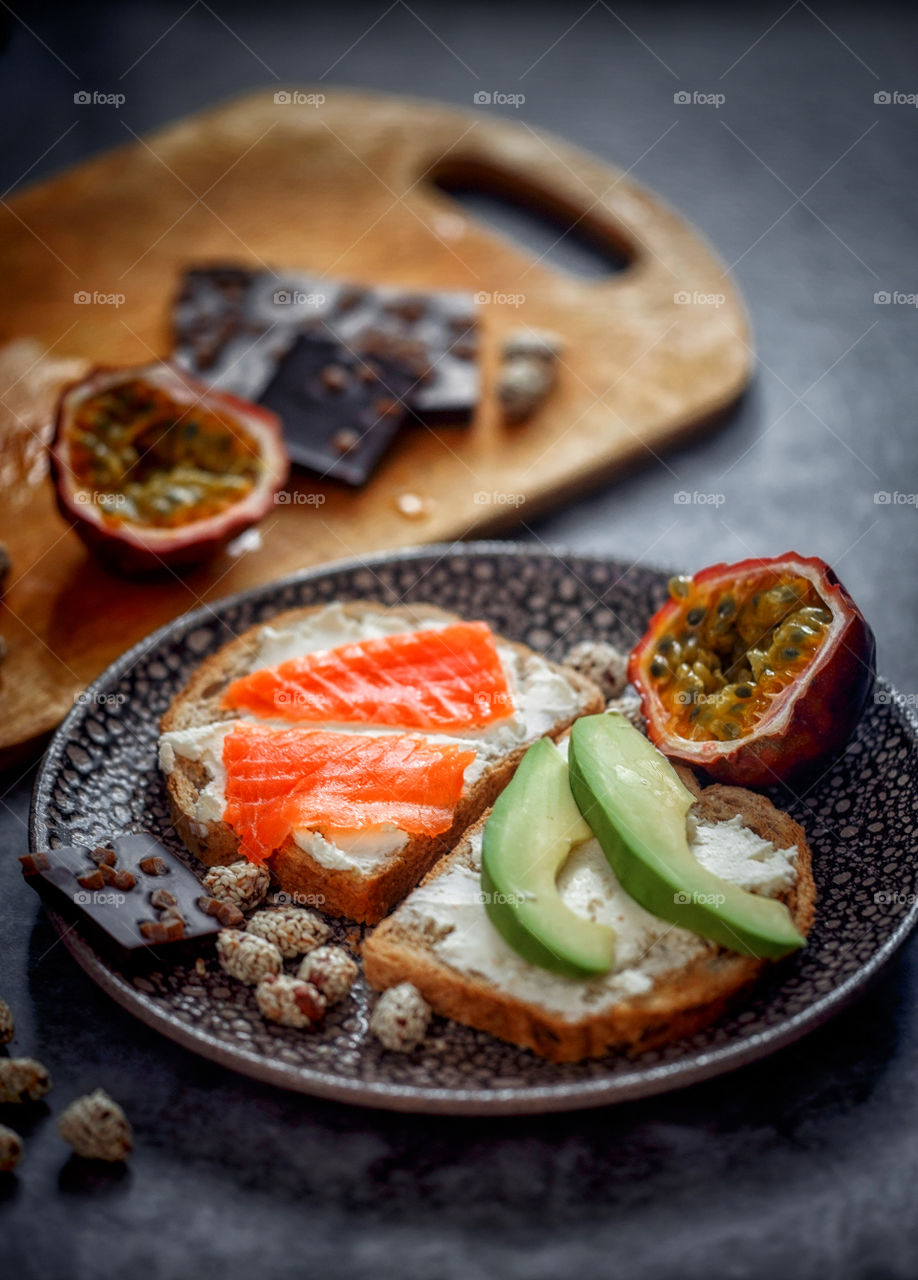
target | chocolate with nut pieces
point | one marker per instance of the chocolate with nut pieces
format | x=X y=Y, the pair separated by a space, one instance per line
x=326 y=395
x=132 y=897
x=327 y=356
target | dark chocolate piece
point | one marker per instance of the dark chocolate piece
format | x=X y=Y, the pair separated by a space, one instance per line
x=243 y=331
x=114 y=906
x=445 y=327
x=314 y=414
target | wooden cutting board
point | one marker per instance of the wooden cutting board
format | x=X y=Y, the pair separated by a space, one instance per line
x=345 y=188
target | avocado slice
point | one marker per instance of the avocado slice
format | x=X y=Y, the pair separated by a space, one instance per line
x=631 y=796
x=532 y=828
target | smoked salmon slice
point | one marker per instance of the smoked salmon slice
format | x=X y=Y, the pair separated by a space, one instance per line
x=283 y=780
x=447 y=679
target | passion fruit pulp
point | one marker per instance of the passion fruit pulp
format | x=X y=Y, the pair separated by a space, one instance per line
x=754 y=671
x=157 y=471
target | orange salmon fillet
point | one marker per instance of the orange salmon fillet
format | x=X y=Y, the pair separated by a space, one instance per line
x=281 y=780
x=450 y=678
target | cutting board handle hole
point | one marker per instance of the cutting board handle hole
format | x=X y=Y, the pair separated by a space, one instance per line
x=574 y=239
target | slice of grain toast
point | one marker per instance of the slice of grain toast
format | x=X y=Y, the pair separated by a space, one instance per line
x=366 y=896
x=680 y=1002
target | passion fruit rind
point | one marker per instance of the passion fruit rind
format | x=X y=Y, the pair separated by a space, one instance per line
x=755 y=671
x=135 y=506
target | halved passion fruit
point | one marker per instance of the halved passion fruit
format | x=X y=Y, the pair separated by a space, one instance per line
x=156 y=470
x=753 y=671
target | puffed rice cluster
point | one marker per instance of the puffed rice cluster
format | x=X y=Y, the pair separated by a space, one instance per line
x=7 y=1026
x=293 y=930
x=331 y=970
x=602 y=663
x=247 y=957
x=290 y=1001
x=10 y=1149
x=243 y=883
x=628 y=704
x=400 y=1018
x=23 y=1080
x=256 y=957
x=97 y=1128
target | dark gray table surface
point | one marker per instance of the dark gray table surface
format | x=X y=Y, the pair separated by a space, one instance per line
x=802 y=1166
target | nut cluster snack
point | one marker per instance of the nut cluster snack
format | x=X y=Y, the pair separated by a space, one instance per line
x=10 y=1149
x=400 y=1018
x=628 y=704
x=23 y=1080
x=290 y=1001
x=96 y=1128
x=247 y=957
x=242 y=883
x=7 y=1026
x=94 y=1125
x=331 y=970
x=293 y=930
x=528 y=372
x=602 y=663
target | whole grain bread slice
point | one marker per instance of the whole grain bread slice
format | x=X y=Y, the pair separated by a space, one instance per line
x=681 y=1002
x=368 y=896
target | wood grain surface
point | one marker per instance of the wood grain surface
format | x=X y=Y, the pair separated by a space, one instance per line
x=346 y=188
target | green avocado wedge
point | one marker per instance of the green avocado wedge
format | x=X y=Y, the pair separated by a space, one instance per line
x=532 y=828
x=633 y=799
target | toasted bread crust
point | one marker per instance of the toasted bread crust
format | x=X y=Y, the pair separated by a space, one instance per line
x=341 y=892
x=680 y=1003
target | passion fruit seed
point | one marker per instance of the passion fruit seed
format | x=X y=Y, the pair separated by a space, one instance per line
x=679 y=587
x=694 y=617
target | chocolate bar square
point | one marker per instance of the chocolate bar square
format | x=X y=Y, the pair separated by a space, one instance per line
x=340 y=409
x=112 y=902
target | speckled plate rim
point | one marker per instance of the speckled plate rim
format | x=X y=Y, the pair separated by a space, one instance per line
x=514 y=1100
